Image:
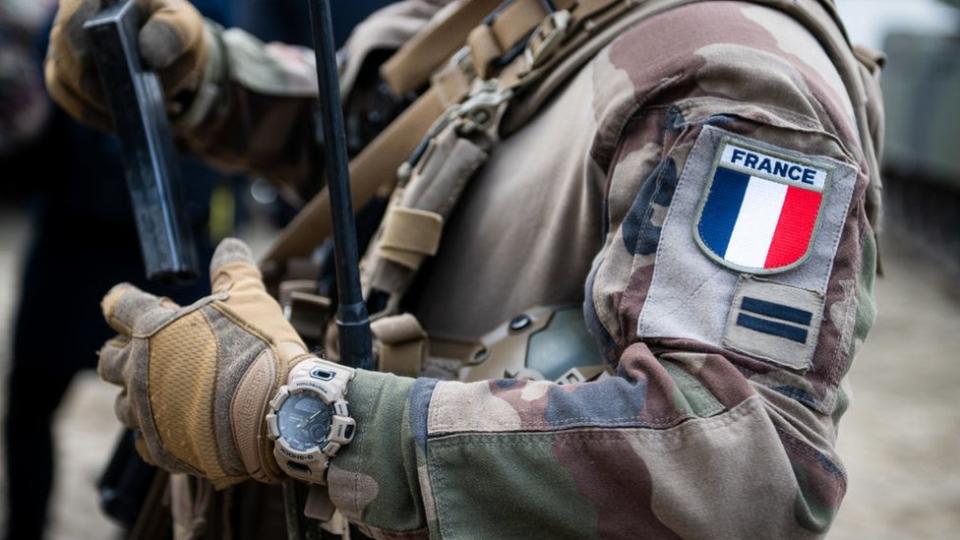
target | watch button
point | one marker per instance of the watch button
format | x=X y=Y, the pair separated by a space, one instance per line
x=322 y=374
x=273 y=430
x=278 y=399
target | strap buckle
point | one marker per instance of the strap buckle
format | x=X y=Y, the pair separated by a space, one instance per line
x=547 y=38
x=483 y=108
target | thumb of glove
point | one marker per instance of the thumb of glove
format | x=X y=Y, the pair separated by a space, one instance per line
x=235 y=275
x=233 y=269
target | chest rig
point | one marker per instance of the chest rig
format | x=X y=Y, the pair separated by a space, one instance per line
x=488 y=67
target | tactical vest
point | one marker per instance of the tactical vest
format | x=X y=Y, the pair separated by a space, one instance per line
x=489 y=67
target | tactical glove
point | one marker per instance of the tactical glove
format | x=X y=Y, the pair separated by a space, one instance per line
x=196 y=380
x=172 y=41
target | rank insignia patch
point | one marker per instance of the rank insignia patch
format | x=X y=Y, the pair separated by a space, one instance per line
x=760 y=211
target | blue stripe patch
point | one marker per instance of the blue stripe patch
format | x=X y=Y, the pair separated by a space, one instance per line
x=773 y=328
x=722 y=209
x=777 y=311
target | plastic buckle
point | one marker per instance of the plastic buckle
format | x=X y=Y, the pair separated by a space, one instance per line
x=483 y=108
x=547 y=38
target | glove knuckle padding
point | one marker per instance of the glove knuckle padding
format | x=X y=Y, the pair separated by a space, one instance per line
x=248 y=408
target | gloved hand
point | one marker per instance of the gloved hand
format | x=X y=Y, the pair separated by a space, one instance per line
x=172 y=41
x=197 y=380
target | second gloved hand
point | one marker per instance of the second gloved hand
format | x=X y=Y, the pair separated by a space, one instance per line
x=172 y=42
x=197 y=380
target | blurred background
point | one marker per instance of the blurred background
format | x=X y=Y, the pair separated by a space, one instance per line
x=66 y=224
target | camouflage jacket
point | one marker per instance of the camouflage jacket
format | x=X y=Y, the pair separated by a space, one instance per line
x=700 y=187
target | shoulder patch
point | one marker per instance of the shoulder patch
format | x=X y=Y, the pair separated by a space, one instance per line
x=708 y=293
x=760 y=208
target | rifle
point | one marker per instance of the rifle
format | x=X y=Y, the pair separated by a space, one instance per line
x=135 y=100
x=353 y=322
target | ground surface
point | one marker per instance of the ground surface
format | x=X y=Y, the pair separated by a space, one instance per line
x=900 y=440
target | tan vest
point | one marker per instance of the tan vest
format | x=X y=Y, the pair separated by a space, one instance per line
x=522 y=240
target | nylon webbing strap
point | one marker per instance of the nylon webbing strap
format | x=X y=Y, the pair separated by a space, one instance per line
x=402 y=345
x=374 y=168
x=410 y=235
x=410 y=67
x=566 y=43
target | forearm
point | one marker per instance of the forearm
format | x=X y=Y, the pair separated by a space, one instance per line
x=253 y=111
x=669 y=446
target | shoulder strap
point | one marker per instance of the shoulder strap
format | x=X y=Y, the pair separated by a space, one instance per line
x=548 y=47
x=503 y=32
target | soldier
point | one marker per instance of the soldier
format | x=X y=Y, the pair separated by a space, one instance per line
x=699 y=175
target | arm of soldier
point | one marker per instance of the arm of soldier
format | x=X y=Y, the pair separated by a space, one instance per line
x=254 y=111
x=715 y=425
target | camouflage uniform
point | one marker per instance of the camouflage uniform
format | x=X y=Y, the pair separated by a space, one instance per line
x=710 y=428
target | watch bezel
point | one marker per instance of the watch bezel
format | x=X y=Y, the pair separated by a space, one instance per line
x=340 y=430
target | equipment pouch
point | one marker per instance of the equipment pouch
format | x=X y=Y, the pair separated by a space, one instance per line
x=413 y=226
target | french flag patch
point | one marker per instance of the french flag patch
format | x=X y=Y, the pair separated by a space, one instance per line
x=760 y=211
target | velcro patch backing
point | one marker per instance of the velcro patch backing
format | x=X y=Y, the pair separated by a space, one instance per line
x=693 y=295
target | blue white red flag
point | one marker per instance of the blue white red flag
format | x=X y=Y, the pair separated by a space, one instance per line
x=760 y=210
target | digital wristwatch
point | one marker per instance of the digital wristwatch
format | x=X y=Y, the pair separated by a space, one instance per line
x=308 y=419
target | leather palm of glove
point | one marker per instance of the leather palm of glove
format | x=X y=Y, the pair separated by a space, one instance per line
x=197 y=380
x=172 y=41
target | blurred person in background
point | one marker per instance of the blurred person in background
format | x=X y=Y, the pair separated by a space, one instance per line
x=82 y=231
x=24 y=107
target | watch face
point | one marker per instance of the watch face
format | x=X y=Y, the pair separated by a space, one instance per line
x=304 y=421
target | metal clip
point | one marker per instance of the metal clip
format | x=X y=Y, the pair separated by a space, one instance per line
x=547 y=38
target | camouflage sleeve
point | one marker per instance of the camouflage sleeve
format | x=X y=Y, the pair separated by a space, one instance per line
x=732 y=291
x=254 y=111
